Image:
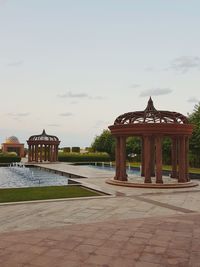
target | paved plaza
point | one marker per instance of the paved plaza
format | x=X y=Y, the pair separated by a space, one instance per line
x=129 y=227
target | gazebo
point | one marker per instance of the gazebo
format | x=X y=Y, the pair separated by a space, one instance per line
x=152 y=125
x=43 y=147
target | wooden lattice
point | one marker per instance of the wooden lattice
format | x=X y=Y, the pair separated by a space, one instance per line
x=43 y=137
x=151 y=115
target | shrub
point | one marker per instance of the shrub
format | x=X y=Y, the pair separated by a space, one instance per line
x=66 y=149
x=89 y=149
x=9 y=158
x=76 y=149
x=86 y=157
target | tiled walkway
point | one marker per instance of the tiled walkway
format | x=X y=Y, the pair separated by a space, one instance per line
x=156 y=242
x=132 y=227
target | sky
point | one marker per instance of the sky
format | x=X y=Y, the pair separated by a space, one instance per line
x=72 y=66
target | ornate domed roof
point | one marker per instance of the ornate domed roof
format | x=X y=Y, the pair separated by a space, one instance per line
x=151 y=115
x=43 y=137
x=12 y=140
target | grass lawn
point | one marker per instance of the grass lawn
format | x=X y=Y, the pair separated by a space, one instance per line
x=42 y=193
x=166 y=167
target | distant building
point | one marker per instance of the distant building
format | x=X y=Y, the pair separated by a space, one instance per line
x=12 y=144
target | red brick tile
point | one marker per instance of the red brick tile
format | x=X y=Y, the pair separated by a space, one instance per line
x=122 y=262
x=100 y=259
x=147 y=264
x=155 y=249
x=150 y=257
x=85 y=248
x=107 y=251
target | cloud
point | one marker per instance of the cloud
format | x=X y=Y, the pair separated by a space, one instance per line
x=66 y=114
x=71 y=95
x=97 y=97
x=135 y=85
x=185 y=64
x=193 y=99
x=155 y=92
x=15 y=63
x=79 y=96
x=54 y=125
x=23 y=114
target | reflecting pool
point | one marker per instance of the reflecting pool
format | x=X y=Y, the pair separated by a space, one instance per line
x=15 y=177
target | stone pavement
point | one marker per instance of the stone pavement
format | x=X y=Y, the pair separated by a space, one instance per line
x=132 y=227
x=156 y=242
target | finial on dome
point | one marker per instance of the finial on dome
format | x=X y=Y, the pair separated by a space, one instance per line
x=150 y=106
x=43 y=132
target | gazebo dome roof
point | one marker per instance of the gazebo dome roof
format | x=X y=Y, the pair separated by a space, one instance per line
x=151 y=115
x=12 y=140
x=43 y=137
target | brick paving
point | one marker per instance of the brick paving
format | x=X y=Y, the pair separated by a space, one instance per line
x=132 y=227
x=152 y=242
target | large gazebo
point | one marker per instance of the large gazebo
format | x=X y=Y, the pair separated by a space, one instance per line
x=43 y=147
x=152 y=125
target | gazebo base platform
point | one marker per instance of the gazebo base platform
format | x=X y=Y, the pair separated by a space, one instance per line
x=151 y=185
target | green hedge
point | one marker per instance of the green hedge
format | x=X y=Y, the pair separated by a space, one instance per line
x=6 y=158
x=86 y=157
x=66 y=149
x=76 y=149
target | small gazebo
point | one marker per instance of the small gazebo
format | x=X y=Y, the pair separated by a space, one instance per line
x=152 y=125
x=43 y=147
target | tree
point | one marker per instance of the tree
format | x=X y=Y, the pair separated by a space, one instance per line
x=194 y=118
x=104 y=143
x=166 y=149
x=133 y=146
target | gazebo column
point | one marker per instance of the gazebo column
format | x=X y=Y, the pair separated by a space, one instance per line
x=41 y=153
x=117 y=159
x=181 y=160
x=36 y=153
x=152 y=149
x=33 y=152
x=142 y=157
x=45 y=152
x=159 y=159
x=147 y=157
x=54 y=152
x=123 y=175
x=57 y=153
x=186 y=159
x=49 y=153
x=174 y=173
x=29 y=153
x=120 y=159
